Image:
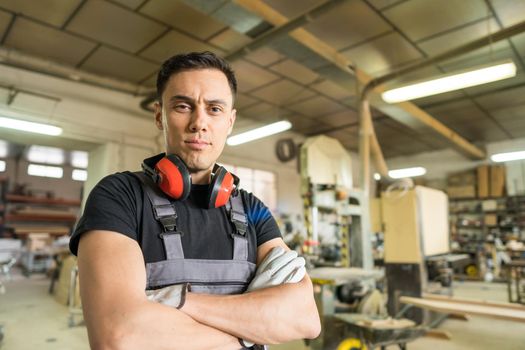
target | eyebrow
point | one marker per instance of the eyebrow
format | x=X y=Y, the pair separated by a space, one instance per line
x=191 y=100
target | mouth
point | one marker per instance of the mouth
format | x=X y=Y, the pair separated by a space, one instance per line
x=197 y=144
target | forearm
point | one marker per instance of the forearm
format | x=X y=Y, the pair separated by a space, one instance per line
x=149 y=325
x=266 y=316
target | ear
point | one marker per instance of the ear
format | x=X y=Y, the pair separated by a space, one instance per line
x=158 y=115
x=233 y=115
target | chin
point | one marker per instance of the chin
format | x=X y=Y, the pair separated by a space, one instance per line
x=198 y=165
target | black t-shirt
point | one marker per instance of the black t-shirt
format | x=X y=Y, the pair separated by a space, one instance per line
x=118 y=203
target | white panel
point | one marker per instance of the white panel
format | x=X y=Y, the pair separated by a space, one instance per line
x=326 y=162
x=515 y=173
x=433 y=220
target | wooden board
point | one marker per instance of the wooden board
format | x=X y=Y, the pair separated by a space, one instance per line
x=448 y=306
x=473 y=301
x=402 y=239
x=40 y=200
x=387 y=324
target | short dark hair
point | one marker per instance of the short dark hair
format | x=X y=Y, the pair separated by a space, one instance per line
x=191 y=61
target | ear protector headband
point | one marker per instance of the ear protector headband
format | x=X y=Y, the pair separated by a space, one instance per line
x=172 y=176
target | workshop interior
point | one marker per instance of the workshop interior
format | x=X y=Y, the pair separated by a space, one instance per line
x=387 y=138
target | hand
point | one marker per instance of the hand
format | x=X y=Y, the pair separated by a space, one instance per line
x=173 y=296
x=278 y=267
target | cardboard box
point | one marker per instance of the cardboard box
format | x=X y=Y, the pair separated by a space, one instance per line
x=489 y=205
x=483 y=181
x=463 y=178
x=497 y=180
x=62 y=287
x=468 y=191
x=491 y=220
x=37 y=241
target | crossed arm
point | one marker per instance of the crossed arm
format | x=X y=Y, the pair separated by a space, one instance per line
x=118 y=315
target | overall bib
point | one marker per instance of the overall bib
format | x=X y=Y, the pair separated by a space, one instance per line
x=204 y=275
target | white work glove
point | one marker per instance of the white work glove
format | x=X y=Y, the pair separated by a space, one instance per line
x=173 y=295
x=278 y=267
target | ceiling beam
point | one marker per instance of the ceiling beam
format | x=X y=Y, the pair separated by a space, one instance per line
x=406 y=113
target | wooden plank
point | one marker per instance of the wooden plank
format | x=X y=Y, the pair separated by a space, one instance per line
x=471 y=309
x=473 y=301
x=439 y=334
x=37 y=217
x=40 y=200
x=459 y=317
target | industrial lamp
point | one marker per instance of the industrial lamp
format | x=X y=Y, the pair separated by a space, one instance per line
x=453 y=81
x=23 y=125
x=258 y=133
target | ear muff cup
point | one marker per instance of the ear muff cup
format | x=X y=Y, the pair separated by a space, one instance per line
x=222 y=185
x=173 y=177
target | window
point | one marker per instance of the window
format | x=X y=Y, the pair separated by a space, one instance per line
x=45 y=171
x=46 y=155
x=79 y=175
x=79 y=159
x=260 y=182
x=3 y=148
x=2 y=165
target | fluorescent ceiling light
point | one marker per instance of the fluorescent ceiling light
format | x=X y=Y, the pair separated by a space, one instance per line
x=451 y=82
x=29 y=126
x=45 y=171
x=507 y=157
x=258 y=133
x=407 y=172
x=79 y=175
x=2 y=165
x=79 y=159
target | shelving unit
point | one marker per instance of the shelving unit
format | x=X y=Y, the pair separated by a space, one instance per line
x=474 y=220
x=26 y=213
x=503 y=216
x=38 y=221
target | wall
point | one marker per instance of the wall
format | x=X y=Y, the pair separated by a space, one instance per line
x=61 y=188
x=110 y=125
x=86 y=113
x=260 y=154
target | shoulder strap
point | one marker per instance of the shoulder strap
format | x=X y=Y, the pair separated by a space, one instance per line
x=163 y=208
x=238 y=217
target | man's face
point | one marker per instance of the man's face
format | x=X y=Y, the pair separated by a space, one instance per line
x=196 y=117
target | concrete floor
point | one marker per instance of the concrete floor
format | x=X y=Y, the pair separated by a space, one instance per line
x=32 y=319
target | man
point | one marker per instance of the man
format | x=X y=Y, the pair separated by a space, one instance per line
x=123 y=249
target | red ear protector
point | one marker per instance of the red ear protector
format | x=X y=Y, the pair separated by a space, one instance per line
x=223 y=185
x=172 y=176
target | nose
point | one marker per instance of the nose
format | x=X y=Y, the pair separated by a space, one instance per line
x=198 y=120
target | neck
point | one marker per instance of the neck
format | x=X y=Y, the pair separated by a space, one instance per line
x=201 y=177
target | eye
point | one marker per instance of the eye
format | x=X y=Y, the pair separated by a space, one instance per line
x=182 y=107
x=216 y=109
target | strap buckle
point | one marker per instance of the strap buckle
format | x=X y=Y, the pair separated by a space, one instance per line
x=240 y=222
x=166 y=214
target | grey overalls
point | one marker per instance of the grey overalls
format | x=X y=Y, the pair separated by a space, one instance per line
x=204 y=275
